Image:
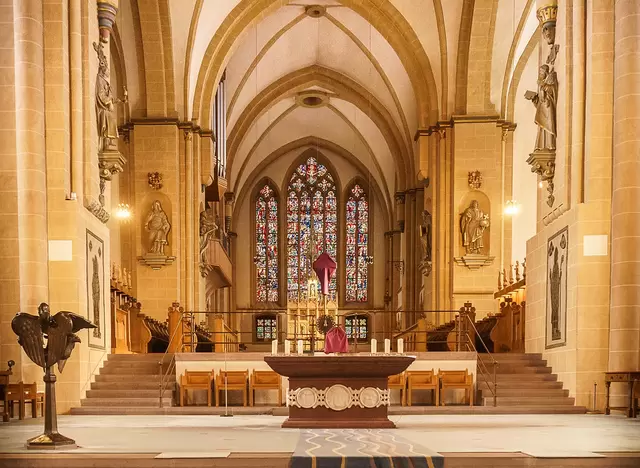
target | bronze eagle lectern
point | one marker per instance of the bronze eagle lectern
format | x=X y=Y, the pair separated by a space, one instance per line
x=60 y=332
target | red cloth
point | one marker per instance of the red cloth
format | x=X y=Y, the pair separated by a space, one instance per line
x=325 y=267
x=336 y=341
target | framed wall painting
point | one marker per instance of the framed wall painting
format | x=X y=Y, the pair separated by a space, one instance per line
x=556 y=296
x=96 y=290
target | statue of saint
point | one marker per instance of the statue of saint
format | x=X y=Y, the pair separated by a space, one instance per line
x=208 y=227
x=96 y=296
x=545 y=101
x=555 y=281
x=157 y=225
x=105 y=104
x=473 y=222
x=425 y=236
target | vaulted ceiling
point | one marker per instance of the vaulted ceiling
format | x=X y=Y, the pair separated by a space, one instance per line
x=361 y=76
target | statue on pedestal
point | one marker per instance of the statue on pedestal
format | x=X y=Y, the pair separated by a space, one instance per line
x=60 y=334
x=105 y=104
x=473 y=222
x=545 y=101
x=157 y=225
x=208 y=227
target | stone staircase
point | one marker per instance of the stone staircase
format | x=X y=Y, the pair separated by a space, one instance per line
x=127 y=384
x=525 y=382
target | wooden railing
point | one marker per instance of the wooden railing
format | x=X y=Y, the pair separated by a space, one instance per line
x=224 y=338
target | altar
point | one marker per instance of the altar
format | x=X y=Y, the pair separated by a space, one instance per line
x=338 y=391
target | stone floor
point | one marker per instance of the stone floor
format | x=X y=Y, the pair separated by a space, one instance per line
x=211 y=437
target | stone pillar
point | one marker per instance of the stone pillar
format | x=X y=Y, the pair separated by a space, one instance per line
x=624 y=342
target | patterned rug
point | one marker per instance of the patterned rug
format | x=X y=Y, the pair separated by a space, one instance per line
x=360 y=448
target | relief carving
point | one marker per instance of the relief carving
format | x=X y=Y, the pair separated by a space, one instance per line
x=208 y=229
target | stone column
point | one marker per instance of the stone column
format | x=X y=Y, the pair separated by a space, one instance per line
x=624 y=342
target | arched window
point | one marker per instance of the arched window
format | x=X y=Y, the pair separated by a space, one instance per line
x=266 y=258
x=312 y=219
x=357 y=251
x=357 y=327
x=266 y=328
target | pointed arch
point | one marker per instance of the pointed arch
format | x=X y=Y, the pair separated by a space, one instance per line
x=357 y=229
x=312 y=196
x=266 y=240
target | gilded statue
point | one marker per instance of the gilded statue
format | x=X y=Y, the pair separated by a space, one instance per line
x=545 y=100
x=425 y=236
x=555 y=282
x=105 y=104
x=49 y=341
x=157 y=225
x=473 y=222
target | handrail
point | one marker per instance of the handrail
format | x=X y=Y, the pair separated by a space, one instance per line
x=100 y=361
x=483 y=367
x=171 y=363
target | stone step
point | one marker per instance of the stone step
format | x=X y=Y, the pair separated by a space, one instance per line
x=141 y=385
x=139 y=357
x=527 y=384
x=529 y=401
x=518 y=369
x=124 y=402
x=130 y=393
x=130 y=378
x=136 y=364
x=526 y=392
x=519 y=377
x=128 y=370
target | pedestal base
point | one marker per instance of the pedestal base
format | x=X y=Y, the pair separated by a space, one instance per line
x=53 y=441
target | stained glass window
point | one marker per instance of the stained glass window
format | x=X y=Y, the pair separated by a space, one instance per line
x=266 y=328
x=357 y=248
x=266 y=255
x=357 y=327
x=312 y=217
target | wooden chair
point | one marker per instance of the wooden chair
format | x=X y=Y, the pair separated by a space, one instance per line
x=235 y=380
x=456 y=379
x=22 y=393
x=399 y=382
x=422 y=380
x=264 y=380
x=195 y=380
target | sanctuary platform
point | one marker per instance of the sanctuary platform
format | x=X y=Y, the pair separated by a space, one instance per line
x=448 y=441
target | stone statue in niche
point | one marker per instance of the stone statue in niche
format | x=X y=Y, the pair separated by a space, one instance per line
x=545 y=101
x=105 y=104
x=425 y=236
x=208 y=228
x=473 y=222
x=157 y=225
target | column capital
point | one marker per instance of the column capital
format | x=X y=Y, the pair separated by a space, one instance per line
x=399 y=198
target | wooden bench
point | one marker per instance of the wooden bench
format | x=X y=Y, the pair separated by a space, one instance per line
x=22 y=394
x=399 y=382
x=456 y=380
x=195 y=380
x=235 y=380
x=264 y=380
x=422 y=380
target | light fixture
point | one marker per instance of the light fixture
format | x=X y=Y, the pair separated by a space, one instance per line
x=540 y=184
x=512 y=208
x=123 y=211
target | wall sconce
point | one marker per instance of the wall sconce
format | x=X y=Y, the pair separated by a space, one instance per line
x=512 y=208
x=123 y=212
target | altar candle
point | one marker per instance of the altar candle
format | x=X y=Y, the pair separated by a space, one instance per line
x=300 y=348
x=400 y=346
x=287 y=347
x=274 y=347
x=387 y=346
x=374 y=346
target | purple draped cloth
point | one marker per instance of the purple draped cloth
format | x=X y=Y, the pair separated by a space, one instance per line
x=335 y=341
x=325 y=267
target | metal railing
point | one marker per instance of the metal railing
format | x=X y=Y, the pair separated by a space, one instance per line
x=172 y=362
x=482 y=367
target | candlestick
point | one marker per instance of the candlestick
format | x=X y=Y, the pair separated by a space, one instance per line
x=400 y=346
x=287 y=347
x=387 y=346
x=300 y=347
x=374 y=346
x=274 y=347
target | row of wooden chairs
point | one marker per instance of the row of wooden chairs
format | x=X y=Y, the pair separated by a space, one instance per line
x=22 y=394
x=235 y=380
x=438 y=382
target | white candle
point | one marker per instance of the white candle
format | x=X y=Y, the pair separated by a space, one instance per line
x=274 y=347
x=374 y=346
x=400 y=346
x=300 y=347
x=287 y=347
x=387 y=346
